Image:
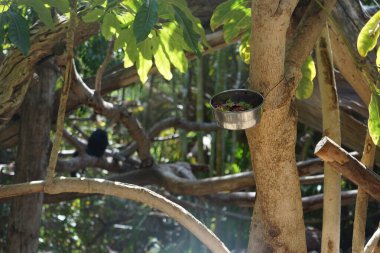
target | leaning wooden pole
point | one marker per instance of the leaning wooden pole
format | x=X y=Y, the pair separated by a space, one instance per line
x=349 y=166
x=331 y=128
x=358 y=236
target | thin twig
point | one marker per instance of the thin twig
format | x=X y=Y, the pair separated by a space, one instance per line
x=103 y=66
x=64 y=95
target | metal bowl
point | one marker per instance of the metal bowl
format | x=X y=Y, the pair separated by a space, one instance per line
x=242 y=119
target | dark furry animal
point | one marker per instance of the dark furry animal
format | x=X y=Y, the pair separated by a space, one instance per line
x=96 y=145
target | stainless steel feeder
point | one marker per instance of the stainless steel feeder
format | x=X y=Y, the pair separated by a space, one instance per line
x=241 y=119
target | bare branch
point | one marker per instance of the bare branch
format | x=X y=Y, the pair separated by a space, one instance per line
x=372 y=245
x=307 y=32
x=103 y=66
x=125 y=191
x=176 y=123
x=80 y=146
x=65 y=93
x=344 y=163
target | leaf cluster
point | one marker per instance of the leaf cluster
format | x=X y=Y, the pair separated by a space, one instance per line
x=235 y=17
x=150 y=31
x=14 y=25
x=366 y=42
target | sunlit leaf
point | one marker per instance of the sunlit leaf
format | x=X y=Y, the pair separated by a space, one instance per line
x=121 y=40
x=378 y=59
x=130 y=52
x=367 y=38
x=162 y=62
x=18 y=32
x=125 y=18
x=144 y=60
x=173 y=47
x=306 y=86
x=146 y=18
x=110 y=25
x=93 y=15
x=4 y=7
x=190 y=36
x=374 y=118
x=195 y=22
x=226 y=12
x=143 y=66
x=244 y=49
x=133 y=5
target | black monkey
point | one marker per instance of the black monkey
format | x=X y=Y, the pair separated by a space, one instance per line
x=96 y=145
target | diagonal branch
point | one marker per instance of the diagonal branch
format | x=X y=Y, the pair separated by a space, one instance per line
x=351 y=168
x=65 y=93
x=307 y=32
x=103 y=66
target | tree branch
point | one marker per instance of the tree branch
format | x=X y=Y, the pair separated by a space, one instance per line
x=125 y=191
x=372 y=245
x=344 y=163
x=103 y=66
x=65 y=93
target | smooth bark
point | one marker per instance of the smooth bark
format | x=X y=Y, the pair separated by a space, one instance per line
x=349 y=166
x=358 y=236
x=331 y=128
x=277 y=224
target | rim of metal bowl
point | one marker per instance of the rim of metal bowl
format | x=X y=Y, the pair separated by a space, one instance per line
x=227 y=91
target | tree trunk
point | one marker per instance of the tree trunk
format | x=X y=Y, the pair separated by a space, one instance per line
x=199 y=108
x=31 y=162
x=277 y=224
x=331 y=128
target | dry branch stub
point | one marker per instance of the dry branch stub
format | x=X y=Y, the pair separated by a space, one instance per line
x=349 y=166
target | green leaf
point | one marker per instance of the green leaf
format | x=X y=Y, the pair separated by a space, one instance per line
x=162 y=62
x=98 y=3
x=4 y=7
x=110 y=25
x=133 y=5
x=121 y=40
x=130 y=52
x=367 y=38
x=191 y=38
x=226 y=12
x=42 y=11
x=125 y=18
x=173 y=46
x=18 y=32
x=244 y=52
x=146 y=18
x=93 y=15
x=374 y=118
x=306 y=86
x=143 y=66
x=196 y=22
x=62 y=5
x=378 y=59
x=164 y=10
